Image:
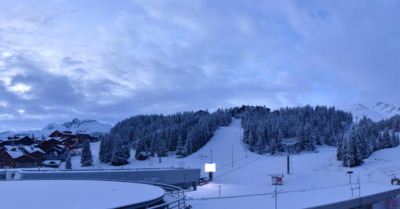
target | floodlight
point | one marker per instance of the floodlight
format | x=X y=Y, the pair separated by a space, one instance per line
x=210 y=167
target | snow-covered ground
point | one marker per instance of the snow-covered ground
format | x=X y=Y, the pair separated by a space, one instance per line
x=75 y=194
x=315 y=179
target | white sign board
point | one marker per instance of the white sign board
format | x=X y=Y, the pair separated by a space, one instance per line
x=210 y=167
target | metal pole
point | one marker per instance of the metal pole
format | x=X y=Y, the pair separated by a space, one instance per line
x=219 y=190
x=288 y=160
x=276 y=196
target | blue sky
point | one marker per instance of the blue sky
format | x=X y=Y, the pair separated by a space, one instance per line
x=109 y=60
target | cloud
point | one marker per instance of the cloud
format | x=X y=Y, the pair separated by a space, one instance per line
x=95 y=59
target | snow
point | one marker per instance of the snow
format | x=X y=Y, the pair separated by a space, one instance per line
x=47 y=194
x=51 y=162
x=32 y=149
x=315 y=178
x=88 y=126
x=376 y=112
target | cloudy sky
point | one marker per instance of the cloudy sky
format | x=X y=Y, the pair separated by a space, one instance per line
x=109 y=60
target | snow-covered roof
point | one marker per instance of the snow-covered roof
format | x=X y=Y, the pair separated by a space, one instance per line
x=15 y=154
x=52 y=162
x=32 y=149
x=9 y=147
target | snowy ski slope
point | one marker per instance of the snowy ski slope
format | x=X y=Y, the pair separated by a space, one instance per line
x=315 y=179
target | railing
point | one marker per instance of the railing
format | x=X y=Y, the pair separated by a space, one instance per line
x=170 y=190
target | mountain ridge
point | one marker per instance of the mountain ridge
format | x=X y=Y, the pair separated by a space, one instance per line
x=376 y=112
x=89 y=126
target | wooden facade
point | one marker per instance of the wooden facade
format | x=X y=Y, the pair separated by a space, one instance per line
x=22 y=161
x=26 y=140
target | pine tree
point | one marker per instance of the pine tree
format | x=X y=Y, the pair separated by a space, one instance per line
x=279 y=142
x=317 y=137
x=68 y=164
x=76 y=144
x=386 y=139
x=179 y=148
x=360 y=145
x=381 y=143
x=86 y=155
x=393 y=139
x=188 y=148
x=397 y=139
x=109 y=146
x=121 y=151
x=349 y=156
x=272 y=146
x=260 y=144
x=252 y=140
x=340 y=146
x=64 y=155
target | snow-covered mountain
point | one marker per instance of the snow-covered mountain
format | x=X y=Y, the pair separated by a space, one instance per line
x=376 y=112
x=92 y=127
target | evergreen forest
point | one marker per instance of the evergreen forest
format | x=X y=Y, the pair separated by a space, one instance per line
x=183 y=132
x=287 y=130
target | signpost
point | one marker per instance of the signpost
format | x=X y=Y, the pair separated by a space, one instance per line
x=276 y=180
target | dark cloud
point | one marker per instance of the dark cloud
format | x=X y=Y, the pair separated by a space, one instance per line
x=68 y=61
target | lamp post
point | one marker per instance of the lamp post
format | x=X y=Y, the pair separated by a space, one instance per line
x=349 y=172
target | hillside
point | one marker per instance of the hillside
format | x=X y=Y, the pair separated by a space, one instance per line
x=313 y=179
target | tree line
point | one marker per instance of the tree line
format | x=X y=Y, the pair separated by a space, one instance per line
x=183 y=132
x=292 y=129
x=366 y=137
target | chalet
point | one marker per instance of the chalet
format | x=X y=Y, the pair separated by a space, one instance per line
x=242 y=109
x=56 y=134
x=49 y=143
x=81 y=136
x=18 y=140
x=13 y=157
x=68 y=135
x=36 y=153
x=55 y=153
x=52 y=163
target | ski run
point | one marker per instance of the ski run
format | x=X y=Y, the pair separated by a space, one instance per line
x=315 y=178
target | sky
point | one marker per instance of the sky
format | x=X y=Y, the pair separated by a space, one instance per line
x=110 y=60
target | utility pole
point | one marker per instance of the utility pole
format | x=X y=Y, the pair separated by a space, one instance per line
x=276 y=195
